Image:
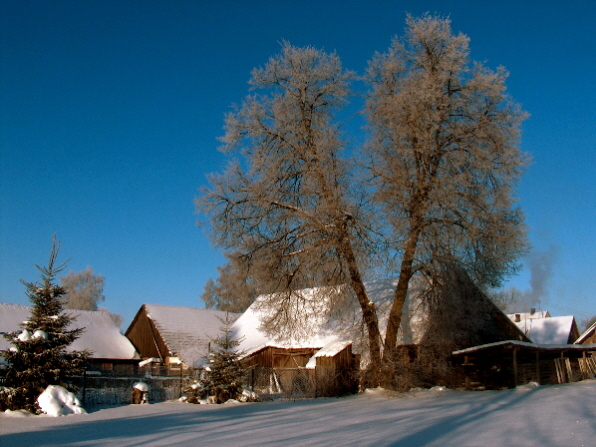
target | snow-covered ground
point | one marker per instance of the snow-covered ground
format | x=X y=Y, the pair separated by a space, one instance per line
x=563 y=415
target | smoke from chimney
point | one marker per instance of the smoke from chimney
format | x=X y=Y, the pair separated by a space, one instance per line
x=541 y=268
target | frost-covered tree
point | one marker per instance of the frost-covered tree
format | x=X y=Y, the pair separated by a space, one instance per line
x=434 y=185
x=38 y=357
x=224 y=373
x=84 y=289
x=287 y=201
x=234 y=289
x=445 y=157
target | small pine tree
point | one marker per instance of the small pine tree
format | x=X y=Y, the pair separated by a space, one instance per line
x=224 y=378
x=38 y=357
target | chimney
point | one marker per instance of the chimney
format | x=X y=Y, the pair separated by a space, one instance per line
x=532 y=311
x=517 y=318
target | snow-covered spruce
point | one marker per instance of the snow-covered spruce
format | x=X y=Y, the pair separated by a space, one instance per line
x=38 y=357
x=224 y=376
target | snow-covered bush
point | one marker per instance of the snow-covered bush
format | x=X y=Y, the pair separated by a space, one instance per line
x=193 y=393
x=58 y=401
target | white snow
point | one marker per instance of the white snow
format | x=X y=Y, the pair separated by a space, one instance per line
x=333 y=348
x=317 y=327
x=40 y=334
x=549 y=330
x=148 y=361
x=141 y=386
x=58 y=401
x=528 y=416
x=25 y=335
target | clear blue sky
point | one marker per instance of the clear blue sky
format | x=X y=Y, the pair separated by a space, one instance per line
x=110 y=110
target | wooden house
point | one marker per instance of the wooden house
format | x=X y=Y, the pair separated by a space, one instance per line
x=172 y=339
x=111 y=351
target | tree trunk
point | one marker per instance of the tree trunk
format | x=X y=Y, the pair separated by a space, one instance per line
x=369 y=311
x=399 y=298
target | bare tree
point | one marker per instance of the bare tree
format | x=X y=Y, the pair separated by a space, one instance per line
x=84 y=289
x=286 y=201
x=508 y=299
x=234 y=289
x=586 y=323
x=444 y=153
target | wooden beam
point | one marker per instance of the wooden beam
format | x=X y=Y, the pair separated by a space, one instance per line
x=515 y=348
x=537 y=366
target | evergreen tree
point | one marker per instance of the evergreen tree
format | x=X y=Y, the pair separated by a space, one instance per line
x=38 y=357
x=224 y=378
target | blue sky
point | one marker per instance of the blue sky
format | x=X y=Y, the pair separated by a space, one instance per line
x=110 y=111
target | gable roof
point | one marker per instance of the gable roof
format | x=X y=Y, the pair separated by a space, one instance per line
x=186 y=331
x=550 y=330
x=101 y=335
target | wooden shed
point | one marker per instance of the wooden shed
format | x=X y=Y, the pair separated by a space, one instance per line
x=331 y=370
x=511 y=363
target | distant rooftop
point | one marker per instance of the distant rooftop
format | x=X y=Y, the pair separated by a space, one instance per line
x=101 y=335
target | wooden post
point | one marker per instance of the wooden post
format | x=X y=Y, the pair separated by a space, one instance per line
x=563 y=373
x=514 y=366
x=537 y=366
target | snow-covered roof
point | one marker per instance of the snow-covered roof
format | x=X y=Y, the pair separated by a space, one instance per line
x=521 y=316
x=187 y=331
x=311 y=332
x=333 y=348
x=101 y=335
x=316 y=327
x=550 y=330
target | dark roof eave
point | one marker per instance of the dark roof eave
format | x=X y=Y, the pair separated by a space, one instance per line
x=538 y=347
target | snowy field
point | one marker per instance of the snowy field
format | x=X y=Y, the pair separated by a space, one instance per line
x=562 y=415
